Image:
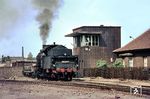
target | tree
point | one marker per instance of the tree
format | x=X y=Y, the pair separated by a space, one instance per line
x=30 y=56
x=101 y=63
x=118 y=63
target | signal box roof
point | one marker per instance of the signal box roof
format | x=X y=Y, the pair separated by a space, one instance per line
x=89 y=30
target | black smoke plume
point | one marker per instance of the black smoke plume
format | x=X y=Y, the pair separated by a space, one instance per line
x=47 y=11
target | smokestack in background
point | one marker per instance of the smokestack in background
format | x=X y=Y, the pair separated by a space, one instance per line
x=47 y=11
x=22 y=53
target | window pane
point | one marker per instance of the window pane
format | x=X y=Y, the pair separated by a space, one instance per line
x=88 y=40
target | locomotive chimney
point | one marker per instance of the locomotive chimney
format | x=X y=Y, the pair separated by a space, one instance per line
x=43 y=46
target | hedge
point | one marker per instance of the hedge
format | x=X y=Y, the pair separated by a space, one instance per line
x=118 y=72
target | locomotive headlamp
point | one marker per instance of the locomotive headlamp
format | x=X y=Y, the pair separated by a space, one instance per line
x=65 y=54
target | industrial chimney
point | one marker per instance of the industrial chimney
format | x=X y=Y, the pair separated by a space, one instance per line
x=22 y=53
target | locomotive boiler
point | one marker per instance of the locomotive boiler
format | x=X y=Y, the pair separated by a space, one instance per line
x=56 y=62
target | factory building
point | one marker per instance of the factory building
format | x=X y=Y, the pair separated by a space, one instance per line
x=92 y=43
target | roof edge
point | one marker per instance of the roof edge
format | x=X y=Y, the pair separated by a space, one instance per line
x=102 y=26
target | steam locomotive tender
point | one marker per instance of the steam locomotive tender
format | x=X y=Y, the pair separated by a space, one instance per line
x=56 y=62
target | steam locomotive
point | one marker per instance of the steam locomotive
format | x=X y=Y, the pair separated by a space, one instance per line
x=55 y=62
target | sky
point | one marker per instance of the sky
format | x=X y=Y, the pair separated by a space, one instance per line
x=18 y=25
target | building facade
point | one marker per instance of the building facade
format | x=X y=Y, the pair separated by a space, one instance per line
x=92 y=43
x=137 y=52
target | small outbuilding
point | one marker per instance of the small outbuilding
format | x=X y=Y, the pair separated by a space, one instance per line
x=137 y=52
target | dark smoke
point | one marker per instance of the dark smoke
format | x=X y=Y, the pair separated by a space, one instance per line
x=47 y=11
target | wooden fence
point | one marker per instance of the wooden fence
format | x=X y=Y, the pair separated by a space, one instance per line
x=10 y=72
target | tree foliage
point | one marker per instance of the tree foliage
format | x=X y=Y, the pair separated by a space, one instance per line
x=30 y=56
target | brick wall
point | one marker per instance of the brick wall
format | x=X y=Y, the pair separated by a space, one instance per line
x=138 y=61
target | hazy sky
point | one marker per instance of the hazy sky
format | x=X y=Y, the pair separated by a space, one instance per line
x=18 y=25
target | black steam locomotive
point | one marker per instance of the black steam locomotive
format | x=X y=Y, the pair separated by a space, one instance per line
x=55 y=62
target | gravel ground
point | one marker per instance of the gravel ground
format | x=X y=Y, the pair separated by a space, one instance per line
x=46 y=91
x=117 y=81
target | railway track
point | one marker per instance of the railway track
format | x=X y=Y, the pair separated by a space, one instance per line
x=145 y=89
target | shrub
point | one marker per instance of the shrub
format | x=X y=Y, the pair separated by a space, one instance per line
x=101 y=63
x=118 y=63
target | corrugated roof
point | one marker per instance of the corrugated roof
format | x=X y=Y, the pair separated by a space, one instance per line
x=140 y=43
